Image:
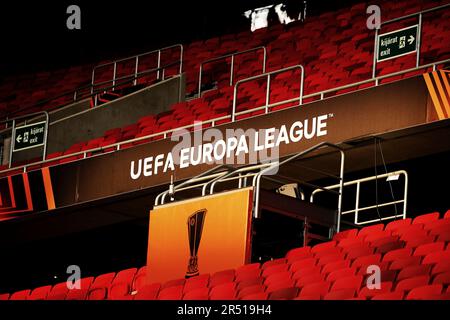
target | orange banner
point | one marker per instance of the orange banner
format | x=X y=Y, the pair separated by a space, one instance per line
x=199 y=236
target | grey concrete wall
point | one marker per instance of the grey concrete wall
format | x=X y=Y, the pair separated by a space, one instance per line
x=54 y=115
x=94 y=122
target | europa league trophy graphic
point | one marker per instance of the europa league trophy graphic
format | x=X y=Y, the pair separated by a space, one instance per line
x=195 y=228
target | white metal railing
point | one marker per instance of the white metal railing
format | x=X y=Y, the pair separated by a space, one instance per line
x=195 y=182
x=232 y=56
x=358 y=209
x=275 y=165
x=268 y=76
x=241 y=174
x=419 y=34
x=136 y=66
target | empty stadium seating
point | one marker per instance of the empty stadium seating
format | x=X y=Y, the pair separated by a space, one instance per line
x=413 y=255
x=301 y=275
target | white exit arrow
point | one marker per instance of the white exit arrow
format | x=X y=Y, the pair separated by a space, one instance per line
x=19 y=138
x=411 y=39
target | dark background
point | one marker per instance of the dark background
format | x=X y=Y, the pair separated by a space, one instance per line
x=34 y=36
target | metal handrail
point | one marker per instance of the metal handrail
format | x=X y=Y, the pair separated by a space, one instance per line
x=229 y=176
x=257 y=178
x=205 y=176
x=213 y=121
x=419 y=36
x=131 y=78
x=76 y=96
x=357 y=209
x=267 y=75
x=232 y=55
x=136 y=58
x=416 y=13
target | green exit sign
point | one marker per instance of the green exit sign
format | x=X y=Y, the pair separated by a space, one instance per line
x=29 y=136
x=397 y=43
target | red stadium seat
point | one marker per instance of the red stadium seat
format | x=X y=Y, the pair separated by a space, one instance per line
x=413 y=271
x=259 y=288
x=349 y=242
x=441 y=267
x=4 y=296
x=390 y=246
x=248 y=283
x=256 y=296
x=341 y=273
x=197 y=294
x=405 y=262
x=221 y=277
x=419 y=240
x=225 y=291
x=398 y=224
x=197 y=282
x=82 y=292
x=373 y=259
x=40 y=293
x=298 y=254
x=275 y=269
x=148 y=292
x=377 y=243
x=396 y=295
x=424 y=292
x=277 y=277
x=248 y=267
x=442 y=278
x=303 y=264
x=328 y=252
x=343 y=294
x=397 y=254
x=280 y=284
x=284 y=294
x=349 y=282
x=370 y=230
x=347 y=234
x=20 y=295
x=357 y=251
x=333 y=266
x=247 y=275
x=385 y=287
x=273 y=263
x=447 y=215
x=318 y=288
x=425 y=249
x=425 y=218
x=58 y=292
x=139 y=279
x=171 y=293
x=100 y=286
x=331 y=258
x=121 y=286
x=323 y=246
x=411 y=283
x=173 y=283
x=436 y=257
x=413 y=229
x=308 y=279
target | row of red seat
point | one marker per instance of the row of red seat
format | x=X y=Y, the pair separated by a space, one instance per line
x=413 y=256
